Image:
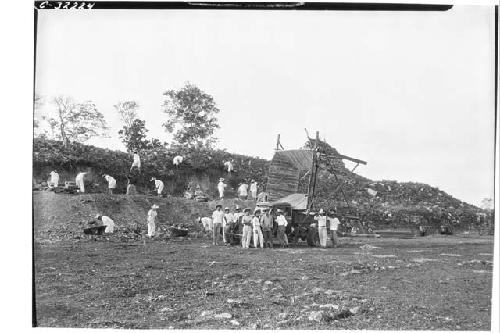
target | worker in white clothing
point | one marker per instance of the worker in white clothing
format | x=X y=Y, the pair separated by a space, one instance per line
x=322 y=231
x=334 y=226
x=282 y=223
x=79 y=180
x=253 y=189
x=137 y=162
x=177 y=160
x=243 y=191
x=217 y=218
x=111 y=183
x=227 y=224
x=229 y=166
x=54 y=179
x=221 y=186
x=158 y=185
x=258 y=238
x=109 y=223
x=247 y=229
x=152 y=215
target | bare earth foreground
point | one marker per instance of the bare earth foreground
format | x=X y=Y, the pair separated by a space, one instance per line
x=441 y=283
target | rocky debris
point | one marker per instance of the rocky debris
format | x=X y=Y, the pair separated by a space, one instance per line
x=423 y=260
x=315 y=316
x=317 y=290
x=224 y=315
x=481 y=271
x=234 y=322
x=329 y=306
x=354 y=310
x=450 y=255
x=384 y=255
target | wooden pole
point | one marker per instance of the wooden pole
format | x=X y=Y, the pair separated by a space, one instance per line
x=312 y=178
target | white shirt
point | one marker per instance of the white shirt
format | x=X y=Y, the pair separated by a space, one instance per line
x=158 y=183
x=80 y=176
x=221 y=186
x=218 y=216
x=255 y=222
x=152 y=216
x=54 y=177
x=178 y=160
x=253 y=187
x=137 y=159
x=229 y=166
x=321 y=220
x=111 y=181
x=110 y=225
x=237 y=216
x=281 y=220
x=334 y=223
x=229 y=218
x=243 y=189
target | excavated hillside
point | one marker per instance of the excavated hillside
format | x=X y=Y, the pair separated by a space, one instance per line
x=384 y=203
x=63 y=216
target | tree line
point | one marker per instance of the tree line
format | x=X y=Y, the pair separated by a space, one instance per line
x=192 y=120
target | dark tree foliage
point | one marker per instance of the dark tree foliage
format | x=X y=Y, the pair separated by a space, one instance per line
x=192 y=116
x=134 y=137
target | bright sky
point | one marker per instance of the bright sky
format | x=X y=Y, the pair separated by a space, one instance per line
x=412 y=93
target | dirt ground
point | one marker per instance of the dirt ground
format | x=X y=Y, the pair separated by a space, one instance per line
x=427 y=283
x=435 y=282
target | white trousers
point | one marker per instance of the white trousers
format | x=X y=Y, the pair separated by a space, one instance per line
x=160 y=190
x=258 y=238
x=247 y=235
x=323 y=234
x=80 y=184
x=221 y=193
x=151 y=229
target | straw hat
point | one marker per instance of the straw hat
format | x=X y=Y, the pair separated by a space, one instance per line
x=246 y=210
x=227 y=208
x=221 y=179
x=217 y=206
x=321 y=211
x=155 y=207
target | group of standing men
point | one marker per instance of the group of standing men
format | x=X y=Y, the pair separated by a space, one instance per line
x=243 y=189
x=258 y=226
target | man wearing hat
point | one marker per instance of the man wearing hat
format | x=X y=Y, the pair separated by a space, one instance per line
x=322 y=231
x=221 y=186
x=227 y=225
x=152 y=214
x=257 y=231
x=266 y=223
x=334 y=226
x=247 y=229
x=111 y=183
x=282 y=223
x=217 y=218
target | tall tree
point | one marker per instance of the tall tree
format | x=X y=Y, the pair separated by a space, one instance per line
x=127 y=111
x=134 y=136
x=192 y=116
x=77 y=121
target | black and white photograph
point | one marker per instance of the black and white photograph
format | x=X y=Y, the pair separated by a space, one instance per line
x=264 y=166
